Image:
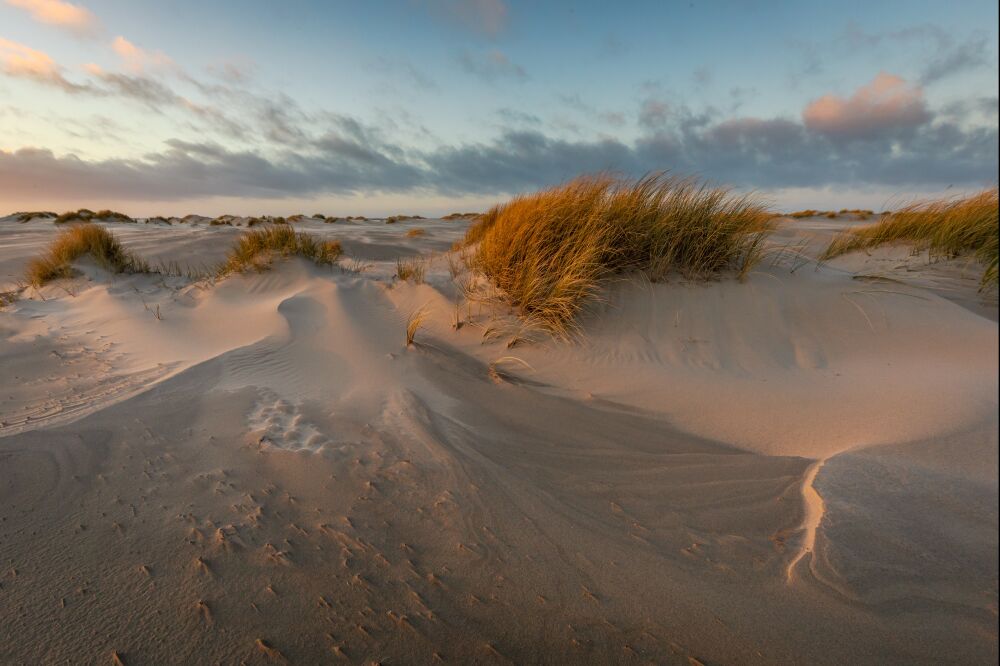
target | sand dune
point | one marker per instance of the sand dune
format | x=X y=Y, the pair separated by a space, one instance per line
x=801 y=468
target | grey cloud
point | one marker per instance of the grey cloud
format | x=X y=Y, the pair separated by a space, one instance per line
x=491 y=66
x=351 y=157
x=953 y=59
x=487 y=17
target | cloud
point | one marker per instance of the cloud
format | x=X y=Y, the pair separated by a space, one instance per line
x=491 y=66
x=20 y=61
x=941 y=54
x=954 y=59
x=654 y=114
x=351 y=157
x=488 y=17
x=135 y=59
x=65 y=15
x=885 y=105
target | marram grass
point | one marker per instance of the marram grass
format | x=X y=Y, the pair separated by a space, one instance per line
x=79 y=241
x=254 y=250
x=550 y=252
x=946 y=228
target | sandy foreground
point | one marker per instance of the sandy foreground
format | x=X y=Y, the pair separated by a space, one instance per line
x=801 y=468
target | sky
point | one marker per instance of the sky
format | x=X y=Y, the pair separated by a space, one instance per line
x=434 y=106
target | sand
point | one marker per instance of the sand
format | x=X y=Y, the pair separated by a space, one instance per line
x=801 y=468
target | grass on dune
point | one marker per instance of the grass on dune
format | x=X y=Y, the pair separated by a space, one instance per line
x=86 y=215
x=79 y=241
x=549 y=252
x=254 y=250
x=946 y=228
x=411 y=269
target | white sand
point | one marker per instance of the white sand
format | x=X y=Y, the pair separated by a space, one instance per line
x=798 y=469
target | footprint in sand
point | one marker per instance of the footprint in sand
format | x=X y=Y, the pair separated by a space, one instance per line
x=279 y=423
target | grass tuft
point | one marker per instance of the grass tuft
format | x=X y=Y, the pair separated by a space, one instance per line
x=946 y=228
x=79 y=241
x=27 y=216
x=411 y=269
x=415 y=232
x=414 y=323
x=254 y=250
x=86 y=215
x=549 y=252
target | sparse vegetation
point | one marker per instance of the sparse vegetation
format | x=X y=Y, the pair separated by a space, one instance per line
x=392 y=219
x=79 y=241
x=414 y=322
x=461 y=216
x=415 y=232
x=30 y=215
x=410 y=269
x=947 y=228
x=549 y=252
x=255 y=250
x=86 y=215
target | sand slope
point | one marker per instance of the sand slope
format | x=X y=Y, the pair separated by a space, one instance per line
x=264 y=472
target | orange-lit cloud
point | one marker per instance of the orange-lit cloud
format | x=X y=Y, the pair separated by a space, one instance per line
x=887 y=103
x=137 y=59
x=56 y=12
x=22 y=61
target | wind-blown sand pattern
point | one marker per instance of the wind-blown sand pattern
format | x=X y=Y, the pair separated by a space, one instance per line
x=801 y=468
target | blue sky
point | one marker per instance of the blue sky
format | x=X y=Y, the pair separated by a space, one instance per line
x=429 y=106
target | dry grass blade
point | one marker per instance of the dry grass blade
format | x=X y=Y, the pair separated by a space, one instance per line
x=497 y=375
x=79 y=241
x=946 y=228
x=415 y=321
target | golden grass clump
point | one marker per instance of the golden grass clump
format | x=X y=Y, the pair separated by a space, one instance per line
x=549 y=252
x=411 y=269
x=415 y=232
x=27 y=216
x=86 y=215
x=254 y=250
x=946 y=228
x=79 y=241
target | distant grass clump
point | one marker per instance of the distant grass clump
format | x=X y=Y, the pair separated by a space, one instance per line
x=549 y=252
x=415 y=232
x=86 y=215
x=254 y=250
x=392 y=219
x=30 y=215
x=79 y=241
x=461 y=216
x=947 y=228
